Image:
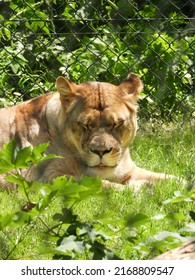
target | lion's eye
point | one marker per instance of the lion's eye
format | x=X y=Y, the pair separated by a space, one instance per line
x=84 y=126
x=118 y=124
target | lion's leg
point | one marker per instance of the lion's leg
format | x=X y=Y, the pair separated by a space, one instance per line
x=137 y=178
x=109 y=184
x=149 y=176
x=140 y=177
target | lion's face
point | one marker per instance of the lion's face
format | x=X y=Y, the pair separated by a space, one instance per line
x=100 y=120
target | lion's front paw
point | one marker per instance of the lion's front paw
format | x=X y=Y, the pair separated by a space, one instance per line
x=108 y=184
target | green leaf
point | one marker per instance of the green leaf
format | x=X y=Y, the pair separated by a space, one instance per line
x=66 y=216
x=8 y=152
x=70 y=244
x=15 y=66
x=23 y=157
x=7 y=155
x=38 y=153
x=41 y=15
x=5 y=166
x=177 y=217
x=46 y=157
x=137 y=220
x=5 y=220
x=93 y=233
x=40 y=149
x=36 y=187
x=110 y=217
x=68 y=187
x=17 y=179
x=45 y=201
x=170 y=235
x=21 y=218
x=93 y=187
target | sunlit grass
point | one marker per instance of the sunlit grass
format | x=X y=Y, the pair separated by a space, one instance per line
x=169 y=150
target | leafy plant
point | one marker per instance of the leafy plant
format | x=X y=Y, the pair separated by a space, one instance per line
x=73 y=237
x=70 y=219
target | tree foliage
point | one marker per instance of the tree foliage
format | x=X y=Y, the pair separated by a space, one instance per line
x=84 y=40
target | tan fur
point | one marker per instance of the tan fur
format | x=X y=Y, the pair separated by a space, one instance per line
x=89 y=125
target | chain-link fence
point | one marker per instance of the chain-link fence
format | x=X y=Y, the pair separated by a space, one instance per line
x=100 y=40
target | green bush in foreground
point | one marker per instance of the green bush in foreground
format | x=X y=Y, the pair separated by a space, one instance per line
x=78 y=220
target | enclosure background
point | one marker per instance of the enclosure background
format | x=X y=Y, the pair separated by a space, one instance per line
x=104 y=41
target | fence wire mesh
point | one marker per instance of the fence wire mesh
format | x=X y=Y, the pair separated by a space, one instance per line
x=104 y=41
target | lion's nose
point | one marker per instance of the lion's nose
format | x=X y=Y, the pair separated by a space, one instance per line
x=100 y=152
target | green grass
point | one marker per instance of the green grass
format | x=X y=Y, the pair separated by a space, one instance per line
x=169 y=150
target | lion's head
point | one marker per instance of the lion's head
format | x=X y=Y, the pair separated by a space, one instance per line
x=100 y=120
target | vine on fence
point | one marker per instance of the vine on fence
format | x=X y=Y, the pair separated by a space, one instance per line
x=85 y=41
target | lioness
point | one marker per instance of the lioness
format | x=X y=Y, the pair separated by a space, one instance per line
x=90 y=125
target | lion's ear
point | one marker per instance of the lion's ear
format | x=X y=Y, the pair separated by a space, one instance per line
x=132 y=85
x=65 y=87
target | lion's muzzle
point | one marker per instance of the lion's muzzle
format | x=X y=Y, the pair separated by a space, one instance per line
x=103 y=151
